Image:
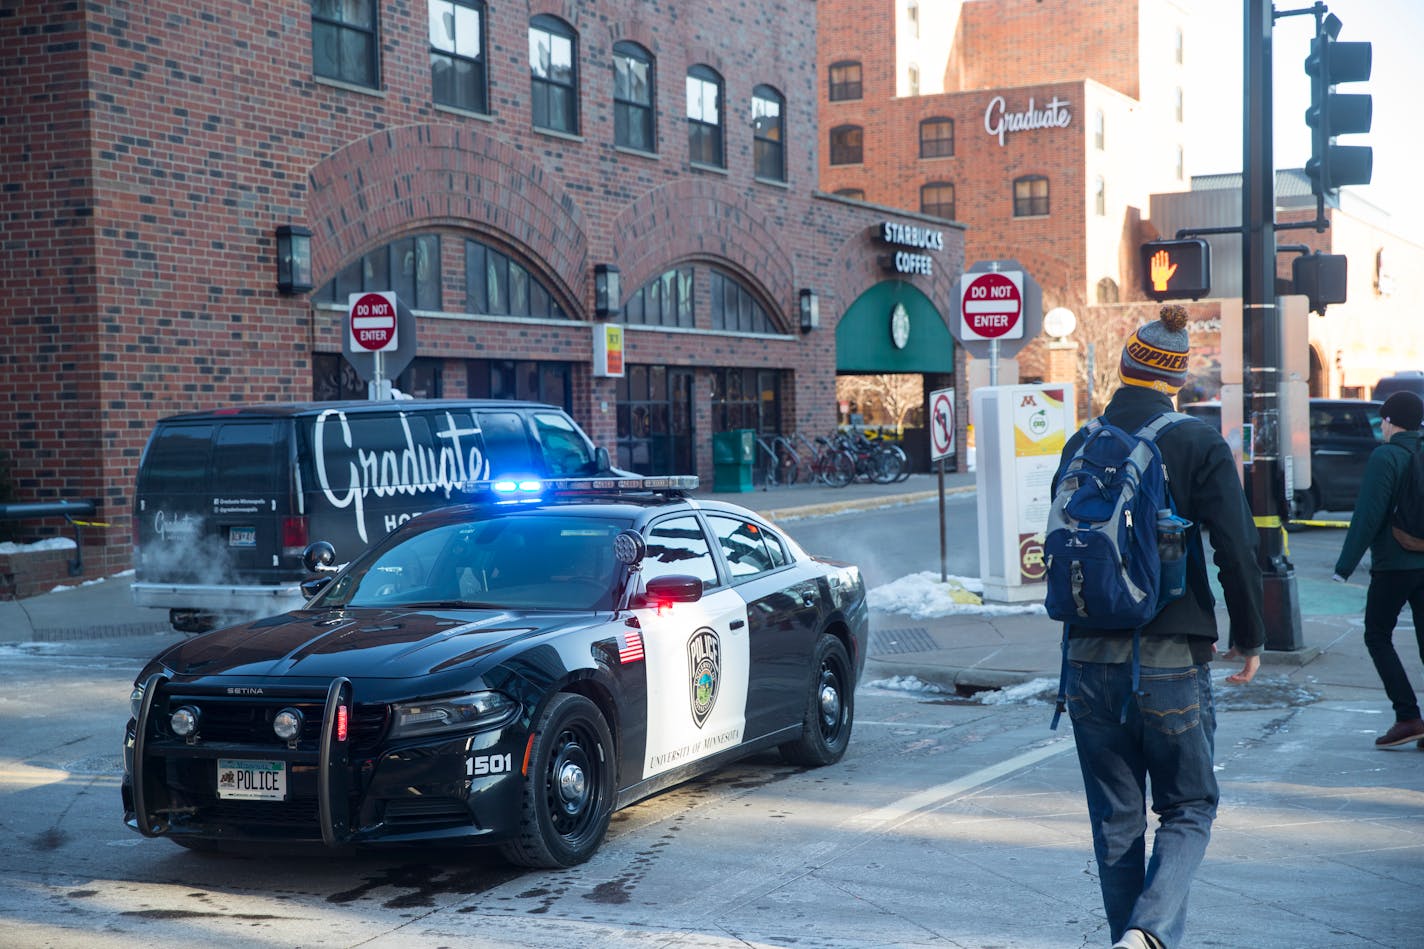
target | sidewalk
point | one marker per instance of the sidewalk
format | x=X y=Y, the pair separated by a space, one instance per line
x=962 y=653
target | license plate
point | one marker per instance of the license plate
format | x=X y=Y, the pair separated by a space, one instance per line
x=242 y=537
x=252 y=780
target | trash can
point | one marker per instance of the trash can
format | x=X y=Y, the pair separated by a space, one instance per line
x=733 y=453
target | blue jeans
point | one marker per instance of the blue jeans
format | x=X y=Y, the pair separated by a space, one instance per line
x=1168 y=736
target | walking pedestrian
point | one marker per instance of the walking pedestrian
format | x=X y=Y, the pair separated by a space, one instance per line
x=1396 y=574
x=1163 y=732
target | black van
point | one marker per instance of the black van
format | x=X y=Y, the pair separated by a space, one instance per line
x=227 y=499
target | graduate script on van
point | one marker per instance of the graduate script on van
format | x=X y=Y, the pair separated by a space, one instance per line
x=413 y=470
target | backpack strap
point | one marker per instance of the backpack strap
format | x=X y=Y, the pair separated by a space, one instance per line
x=1060 y=706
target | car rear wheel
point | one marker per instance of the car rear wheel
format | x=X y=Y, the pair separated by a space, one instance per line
x=830 y=708
x=569 y=791
x=1303 y=506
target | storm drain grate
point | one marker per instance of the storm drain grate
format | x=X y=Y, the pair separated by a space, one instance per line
x=889 y=642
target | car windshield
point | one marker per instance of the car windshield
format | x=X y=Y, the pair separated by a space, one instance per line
x=515 y=561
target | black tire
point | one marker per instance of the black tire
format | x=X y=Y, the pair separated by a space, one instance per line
x=1303 y=508
x=830 y=708
x=569 y=792
x=840 y=469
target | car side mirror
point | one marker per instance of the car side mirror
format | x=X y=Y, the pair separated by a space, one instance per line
x=319 y=557
x=673 y=588
x=601 y=461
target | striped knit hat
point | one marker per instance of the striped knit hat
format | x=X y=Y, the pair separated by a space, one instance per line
x=1156 y=355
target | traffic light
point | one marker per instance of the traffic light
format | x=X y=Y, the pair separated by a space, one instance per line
x=1176 y=270
x=1320 y=278
x=1334 y=113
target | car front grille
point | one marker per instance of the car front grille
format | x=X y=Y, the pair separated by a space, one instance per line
x=247 y=720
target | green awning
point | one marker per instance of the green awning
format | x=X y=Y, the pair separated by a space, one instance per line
x=866 y=334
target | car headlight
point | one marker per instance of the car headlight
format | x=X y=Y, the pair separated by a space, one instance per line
x=136 y=701
x=457 y=713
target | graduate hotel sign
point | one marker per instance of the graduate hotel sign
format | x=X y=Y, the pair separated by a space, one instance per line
x=999 y=121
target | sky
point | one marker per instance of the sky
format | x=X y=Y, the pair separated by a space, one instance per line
x=1395 y=28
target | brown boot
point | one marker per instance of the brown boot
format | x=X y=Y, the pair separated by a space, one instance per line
x=1401 y=733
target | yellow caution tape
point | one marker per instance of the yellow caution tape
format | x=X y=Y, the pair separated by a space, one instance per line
x=92 y=523
x=1341 y=524
x=1272 y=520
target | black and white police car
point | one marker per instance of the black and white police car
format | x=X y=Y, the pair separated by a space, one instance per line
x=508 y=671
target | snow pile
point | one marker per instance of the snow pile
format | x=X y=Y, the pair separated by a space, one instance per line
x=922 y=596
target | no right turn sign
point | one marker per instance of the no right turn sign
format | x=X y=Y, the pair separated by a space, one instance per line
x=941 y=424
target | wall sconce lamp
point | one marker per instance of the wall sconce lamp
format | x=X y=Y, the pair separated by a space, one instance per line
x=294 y=261
x=810 y=311
x=607 y=291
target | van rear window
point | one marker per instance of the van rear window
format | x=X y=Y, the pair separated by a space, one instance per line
x=245 y=458
x=177 y=459
x=507 y=444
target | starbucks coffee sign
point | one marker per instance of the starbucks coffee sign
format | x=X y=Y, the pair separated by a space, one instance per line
x=915 y=239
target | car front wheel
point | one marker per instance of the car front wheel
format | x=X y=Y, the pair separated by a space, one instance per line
x=569 y=791
x=830 y=708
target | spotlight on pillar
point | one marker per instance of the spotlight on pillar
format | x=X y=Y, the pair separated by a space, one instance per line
x=294 y=263
x=810 y=311
x=606 y=291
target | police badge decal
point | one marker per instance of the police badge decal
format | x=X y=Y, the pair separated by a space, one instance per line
x=704 y=663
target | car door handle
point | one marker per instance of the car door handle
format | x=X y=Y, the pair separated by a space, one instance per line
x=737 y=624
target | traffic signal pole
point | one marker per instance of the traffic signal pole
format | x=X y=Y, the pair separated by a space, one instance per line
x=1263 y=361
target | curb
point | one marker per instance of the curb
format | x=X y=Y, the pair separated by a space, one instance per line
x=956 y=679
x=859 y=504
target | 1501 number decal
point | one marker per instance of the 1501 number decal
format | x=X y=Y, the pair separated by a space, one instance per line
x=482 y=765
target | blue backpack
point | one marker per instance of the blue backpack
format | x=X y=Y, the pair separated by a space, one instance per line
x=1111 y=520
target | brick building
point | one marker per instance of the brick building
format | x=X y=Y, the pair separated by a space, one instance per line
x=1043 y=125
x=486 y=162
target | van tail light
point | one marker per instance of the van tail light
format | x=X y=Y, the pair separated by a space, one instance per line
x=294 y=536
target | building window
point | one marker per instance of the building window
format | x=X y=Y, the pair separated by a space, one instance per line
x=526 y=380
x=553 y=75
x=704 y=116
x=1181 y=104
x=937 y=138
x=769 y=133
x=409 y=266
x=344 y=41
x=746 y=398
x=498 y=286
x=1181 y=163
x=1100 y=197
x=457 y=59
x=655 y=420
x=1030 y=196
x=914 y=80
x=1181 y=43
x=633 y=97
x=845 y=81
x=857 y=194
x=1107 y=290
x=735 y=309
x=334 y=378
x=1099 y=130
x=937 y=199
x=666 y=300
x=846 y=145
x=912 y=12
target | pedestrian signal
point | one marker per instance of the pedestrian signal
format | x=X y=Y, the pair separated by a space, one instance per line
x=1176 y=270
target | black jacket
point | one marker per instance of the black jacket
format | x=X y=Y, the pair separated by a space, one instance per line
x=1201 y=475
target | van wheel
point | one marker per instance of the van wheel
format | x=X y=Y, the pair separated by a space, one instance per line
x=1303 y=507
x=829 y=710
x=568 y=794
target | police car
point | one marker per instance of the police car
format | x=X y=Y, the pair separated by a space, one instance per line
x=507 y=672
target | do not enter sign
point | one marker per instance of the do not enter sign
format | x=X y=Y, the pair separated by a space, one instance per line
x=373 y=321
x=991 y=305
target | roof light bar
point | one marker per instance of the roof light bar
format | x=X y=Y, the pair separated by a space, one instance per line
x=523 y=486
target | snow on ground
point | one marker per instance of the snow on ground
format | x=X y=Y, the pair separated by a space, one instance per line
x=52 y=543
x=922 y=596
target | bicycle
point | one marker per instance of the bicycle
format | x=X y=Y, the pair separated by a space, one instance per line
x=831 y=465
x=872 y=462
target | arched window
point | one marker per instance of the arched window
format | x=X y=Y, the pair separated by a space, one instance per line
x=1107 y=290
x=1030 y=196
x=1099 y=130
x=914 y=79
x=666 y=300
x=704 y=116
x=1100 y=197
x=937 y=138
x=1181 y=104
x=495 y=285
x=553 y=74
x=937 y=199
x=409 y=266
x=846 y=147
x=768 y=134
x=845 y=81
x=734 y=308
x=633 y=97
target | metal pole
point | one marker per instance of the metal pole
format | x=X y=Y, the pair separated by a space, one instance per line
x=943 y=537
x=993 y=362
x=1261 y=335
